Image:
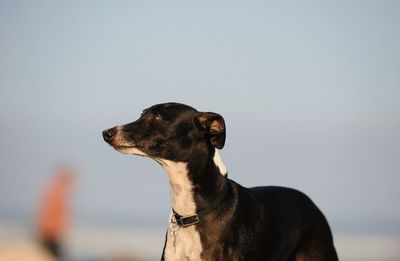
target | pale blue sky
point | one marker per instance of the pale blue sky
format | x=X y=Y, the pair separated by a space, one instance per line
x=309 y=91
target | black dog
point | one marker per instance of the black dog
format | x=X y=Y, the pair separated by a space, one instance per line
x=212 y=217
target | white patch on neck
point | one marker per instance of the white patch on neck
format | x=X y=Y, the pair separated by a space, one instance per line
x=181 y=188
x=185 y=243
x=218 y=162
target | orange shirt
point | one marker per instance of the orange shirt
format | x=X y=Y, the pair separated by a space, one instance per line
x=53 y=215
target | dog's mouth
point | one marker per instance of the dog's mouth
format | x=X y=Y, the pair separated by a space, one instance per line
x=129 y=150
x=121 y=147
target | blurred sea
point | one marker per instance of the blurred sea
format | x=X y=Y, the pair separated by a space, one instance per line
x=92 y=242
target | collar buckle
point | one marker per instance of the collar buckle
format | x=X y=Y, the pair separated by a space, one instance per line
x=187 y=220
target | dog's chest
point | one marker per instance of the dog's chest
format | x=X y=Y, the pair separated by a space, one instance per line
x=184 y=244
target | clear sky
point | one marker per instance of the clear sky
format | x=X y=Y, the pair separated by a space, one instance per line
x=310 y=92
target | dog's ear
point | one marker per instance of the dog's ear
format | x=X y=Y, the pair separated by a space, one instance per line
x=214 y=125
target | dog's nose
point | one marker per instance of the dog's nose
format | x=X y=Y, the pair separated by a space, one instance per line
x=108 y=134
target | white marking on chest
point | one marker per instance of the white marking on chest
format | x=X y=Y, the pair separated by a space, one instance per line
x=181 y=188
x=218 y=162
x=185 y=244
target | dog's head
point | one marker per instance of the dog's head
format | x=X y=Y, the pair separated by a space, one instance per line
x=169 y=131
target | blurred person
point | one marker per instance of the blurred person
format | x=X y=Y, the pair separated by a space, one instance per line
x=54 y=211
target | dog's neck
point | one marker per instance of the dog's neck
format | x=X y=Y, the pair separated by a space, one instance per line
x=195 y=185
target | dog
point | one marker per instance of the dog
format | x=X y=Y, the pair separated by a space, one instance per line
x=213 y=217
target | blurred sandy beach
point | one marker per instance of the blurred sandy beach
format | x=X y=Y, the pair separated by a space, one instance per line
x=91 y=242
x=86 y=243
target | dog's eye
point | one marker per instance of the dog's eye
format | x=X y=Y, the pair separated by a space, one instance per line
x=155 y=117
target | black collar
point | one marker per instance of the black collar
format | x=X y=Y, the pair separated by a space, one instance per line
x=185 y=221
